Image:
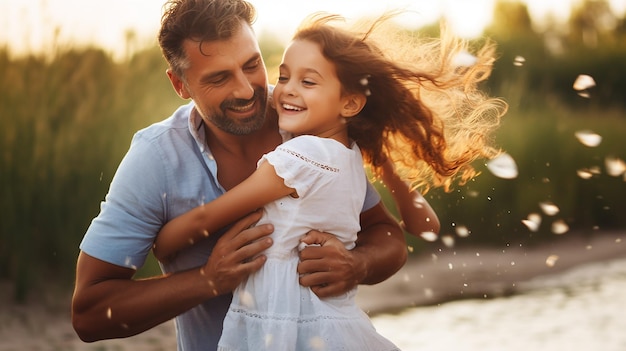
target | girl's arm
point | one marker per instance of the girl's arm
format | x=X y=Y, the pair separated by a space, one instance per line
x=416 y=213
x=262 y=187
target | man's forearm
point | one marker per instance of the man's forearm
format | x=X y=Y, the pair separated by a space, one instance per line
x=120 y=307
x=381 y=247
x=108 y=303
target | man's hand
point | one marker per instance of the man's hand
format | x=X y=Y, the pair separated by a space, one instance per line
x=327 y=267
x=331 y=270
x=237 y=254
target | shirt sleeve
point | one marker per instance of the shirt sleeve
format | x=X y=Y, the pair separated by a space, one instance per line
x=372 y=197
x=133 y=210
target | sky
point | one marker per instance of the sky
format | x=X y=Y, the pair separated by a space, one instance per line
x=33 y=25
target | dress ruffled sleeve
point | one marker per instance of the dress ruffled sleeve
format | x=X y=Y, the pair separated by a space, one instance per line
x=301 y=162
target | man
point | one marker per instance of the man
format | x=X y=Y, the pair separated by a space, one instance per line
x=205 y=148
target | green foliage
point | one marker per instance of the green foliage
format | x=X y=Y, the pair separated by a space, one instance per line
x=66 y=123
x=548 y=157
x=556 y=56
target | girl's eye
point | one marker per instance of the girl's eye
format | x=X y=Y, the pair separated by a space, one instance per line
x=308 y=82
x=282 y=79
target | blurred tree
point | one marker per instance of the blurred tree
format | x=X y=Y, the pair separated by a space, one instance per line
x=510 y=19
x=590 y=20
x=520 y=50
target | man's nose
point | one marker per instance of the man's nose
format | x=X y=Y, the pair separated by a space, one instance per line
x=243 y=89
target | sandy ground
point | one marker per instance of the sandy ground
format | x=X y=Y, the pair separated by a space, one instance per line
x=577 y=310
x=449 y=274
x=436 y=276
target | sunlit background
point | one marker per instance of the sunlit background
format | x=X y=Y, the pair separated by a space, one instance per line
x=33 y=25
x=531 y=253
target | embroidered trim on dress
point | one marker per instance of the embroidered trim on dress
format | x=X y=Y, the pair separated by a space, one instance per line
x=308 y=160
x=297 y=319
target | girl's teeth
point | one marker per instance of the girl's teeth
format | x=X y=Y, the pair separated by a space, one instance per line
x=291 y=107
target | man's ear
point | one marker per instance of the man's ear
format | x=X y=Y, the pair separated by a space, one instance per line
x=353 y=104
x=178 y=84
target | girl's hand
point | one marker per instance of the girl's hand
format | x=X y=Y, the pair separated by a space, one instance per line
x=416 y=214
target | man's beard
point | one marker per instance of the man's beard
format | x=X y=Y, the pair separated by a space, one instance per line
x=245 y=126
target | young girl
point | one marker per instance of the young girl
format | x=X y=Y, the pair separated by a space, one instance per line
x=416 y=120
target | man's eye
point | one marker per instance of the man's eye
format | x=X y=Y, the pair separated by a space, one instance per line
x=218 y=81
x=215 y=80
x=253 y=66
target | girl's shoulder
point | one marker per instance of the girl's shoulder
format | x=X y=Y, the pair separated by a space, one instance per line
x=313 y=150
x=313 y=146
x=312 y=140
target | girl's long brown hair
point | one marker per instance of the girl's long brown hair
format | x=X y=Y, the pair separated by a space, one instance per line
x=424 y=110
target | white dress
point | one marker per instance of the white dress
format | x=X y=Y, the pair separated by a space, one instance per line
x=271 y=310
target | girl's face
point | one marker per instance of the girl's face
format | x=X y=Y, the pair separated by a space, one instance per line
x=308 y=95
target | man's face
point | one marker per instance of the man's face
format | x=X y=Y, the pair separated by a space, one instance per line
x=228 y=82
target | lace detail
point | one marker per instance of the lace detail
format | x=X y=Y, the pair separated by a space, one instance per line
x=308 y=160
x=297 y=319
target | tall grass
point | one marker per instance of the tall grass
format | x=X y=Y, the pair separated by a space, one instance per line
x=67 y=120
x=66 y=123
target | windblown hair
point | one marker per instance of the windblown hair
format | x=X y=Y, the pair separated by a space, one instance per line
x=201 y=21
x=424 y=110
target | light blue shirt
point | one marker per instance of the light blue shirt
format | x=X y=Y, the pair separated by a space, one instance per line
x=167 y=171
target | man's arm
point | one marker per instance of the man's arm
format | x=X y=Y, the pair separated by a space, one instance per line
x=108 y=303
x=380 y=252
x=381 y=245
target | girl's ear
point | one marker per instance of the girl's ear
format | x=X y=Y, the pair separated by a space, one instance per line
x=178 y=84
x=353 y=104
